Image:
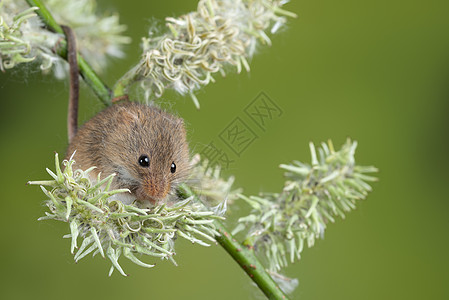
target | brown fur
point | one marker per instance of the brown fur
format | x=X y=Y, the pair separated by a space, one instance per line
x=115 y=138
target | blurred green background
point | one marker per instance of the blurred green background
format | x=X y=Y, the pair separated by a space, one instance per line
x=375 y=71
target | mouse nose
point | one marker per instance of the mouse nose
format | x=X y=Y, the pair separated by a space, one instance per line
x=158 y=188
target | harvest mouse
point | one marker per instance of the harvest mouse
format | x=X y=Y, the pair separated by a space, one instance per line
x=143 y=145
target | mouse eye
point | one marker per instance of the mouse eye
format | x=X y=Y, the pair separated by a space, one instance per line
x=144 y=161
x=173 y=167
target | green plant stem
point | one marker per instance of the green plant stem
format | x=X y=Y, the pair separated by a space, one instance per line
x=88 y=74
x=121 y=86
x=243 y=255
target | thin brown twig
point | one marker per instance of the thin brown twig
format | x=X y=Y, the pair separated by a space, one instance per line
x=72 y=117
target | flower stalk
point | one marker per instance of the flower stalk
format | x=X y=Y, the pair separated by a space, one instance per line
x=243 y=255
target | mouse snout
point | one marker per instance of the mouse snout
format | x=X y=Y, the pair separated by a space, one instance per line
x=154 y=189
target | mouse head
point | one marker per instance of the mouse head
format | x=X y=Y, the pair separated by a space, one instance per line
x=148 y=151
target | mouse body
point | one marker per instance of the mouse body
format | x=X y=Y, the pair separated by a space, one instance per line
x=143 y=145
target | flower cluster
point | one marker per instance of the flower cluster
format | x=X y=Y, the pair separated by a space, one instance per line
x=281 y=223
x=220 y=33
x=207 y=183
x=99 y=37
x=23 y=38
x=111 y=228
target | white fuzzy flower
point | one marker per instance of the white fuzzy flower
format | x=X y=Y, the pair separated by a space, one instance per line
x=23 y=37
x=220 y=33
x=280 y=224
x=97 y=36
x=112 y=228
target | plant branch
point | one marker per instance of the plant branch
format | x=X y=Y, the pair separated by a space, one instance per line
x=243 y=255
x=122 y=85
x=88 y=74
